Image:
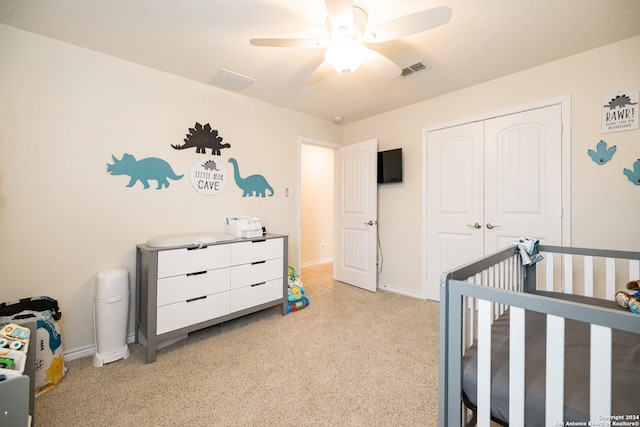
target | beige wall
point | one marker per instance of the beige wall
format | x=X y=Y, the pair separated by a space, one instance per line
x=604 y=204
x=63 y=112
x=316 y=204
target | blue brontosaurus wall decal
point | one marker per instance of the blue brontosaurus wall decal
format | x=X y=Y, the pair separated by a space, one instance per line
x=252 y=184
x=602 y=154
x=634 y=175
x=143 y=170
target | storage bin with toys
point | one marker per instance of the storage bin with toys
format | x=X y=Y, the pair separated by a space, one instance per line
x=45 y=313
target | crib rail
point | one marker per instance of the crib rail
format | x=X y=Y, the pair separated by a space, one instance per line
x=562 y=259
x=498 y=281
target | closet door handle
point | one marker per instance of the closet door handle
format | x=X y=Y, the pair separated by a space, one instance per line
x=492 y=226
x=476 y=225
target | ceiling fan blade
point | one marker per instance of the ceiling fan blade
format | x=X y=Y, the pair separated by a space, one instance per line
x=409 y=24
x=289 y=42
x=319 y=74
x=381 y=65
x=340 y=14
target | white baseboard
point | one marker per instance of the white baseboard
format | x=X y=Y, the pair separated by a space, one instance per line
x=386 y=287
x=79 y=353
x=317 y=262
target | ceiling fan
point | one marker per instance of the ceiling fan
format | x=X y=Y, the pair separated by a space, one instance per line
x=348 y=34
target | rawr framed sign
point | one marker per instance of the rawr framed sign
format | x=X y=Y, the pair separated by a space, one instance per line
x=208 y=176
x=620 y=110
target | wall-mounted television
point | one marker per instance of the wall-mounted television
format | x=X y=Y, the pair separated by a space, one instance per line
x=390 y=166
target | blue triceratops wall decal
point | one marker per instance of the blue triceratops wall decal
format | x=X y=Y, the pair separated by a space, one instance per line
x=252 y=184
x=602 y=154
x=634 y=175
x=143 y=170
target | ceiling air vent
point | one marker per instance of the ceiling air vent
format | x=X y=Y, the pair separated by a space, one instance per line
x=231 y=81
x=413 y=68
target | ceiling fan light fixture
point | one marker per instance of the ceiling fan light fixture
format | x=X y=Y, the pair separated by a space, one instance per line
x=345 y=56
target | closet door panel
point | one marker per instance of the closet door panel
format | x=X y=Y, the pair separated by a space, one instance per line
x=455 y=211
x=523 y=177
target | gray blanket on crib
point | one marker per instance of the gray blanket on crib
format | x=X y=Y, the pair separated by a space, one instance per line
x=625 y=371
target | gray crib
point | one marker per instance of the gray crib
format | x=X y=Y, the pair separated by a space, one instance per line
x=543 y=344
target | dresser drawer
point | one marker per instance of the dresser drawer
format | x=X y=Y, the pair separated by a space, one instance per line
x=256 y=294
x=181 y=288
x=186 y=313
x=175 y=262
x=259 y=250
x=255 y=272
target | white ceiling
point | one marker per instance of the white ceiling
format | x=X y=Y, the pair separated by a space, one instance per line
x=484 y=40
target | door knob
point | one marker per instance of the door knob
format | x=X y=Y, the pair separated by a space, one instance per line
x=476 y=225
x=492 y=226
x=371 y=222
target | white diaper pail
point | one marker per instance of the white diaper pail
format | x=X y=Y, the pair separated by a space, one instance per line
x=111 y=312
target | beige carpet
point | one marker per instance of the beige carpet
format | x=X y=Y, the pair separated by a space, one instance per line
x=351 y=358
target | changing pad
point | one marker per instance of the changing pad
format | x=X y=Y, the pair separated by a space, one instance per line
x=187 y=239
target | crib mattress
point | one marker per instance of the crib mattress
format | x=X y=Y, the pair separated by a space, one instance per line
x=625 y=371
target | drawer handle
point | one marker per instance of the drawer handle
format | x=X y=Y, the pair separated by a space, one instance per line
x=258 y=284
x=197 y=299
x=258 y=262
x=195 y=248
x=196 y=273
x=259 y=241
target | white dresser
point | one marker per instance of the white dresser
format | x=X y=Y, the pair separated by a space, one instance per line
x=183 y=289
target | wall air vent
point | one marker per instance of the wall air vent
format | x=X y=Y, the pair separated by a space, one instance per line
x=231 y=81
x=413 y=68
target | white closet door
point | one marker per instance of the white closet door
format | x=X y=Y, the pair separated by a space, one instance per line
x=455 y=207
x=504 y=175
x=523 y=194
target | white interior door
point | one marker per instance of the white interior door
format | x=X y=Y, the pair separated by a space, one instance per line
x=523 y=191
x=356 y=224
x=489 y=183
x=455 y=210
